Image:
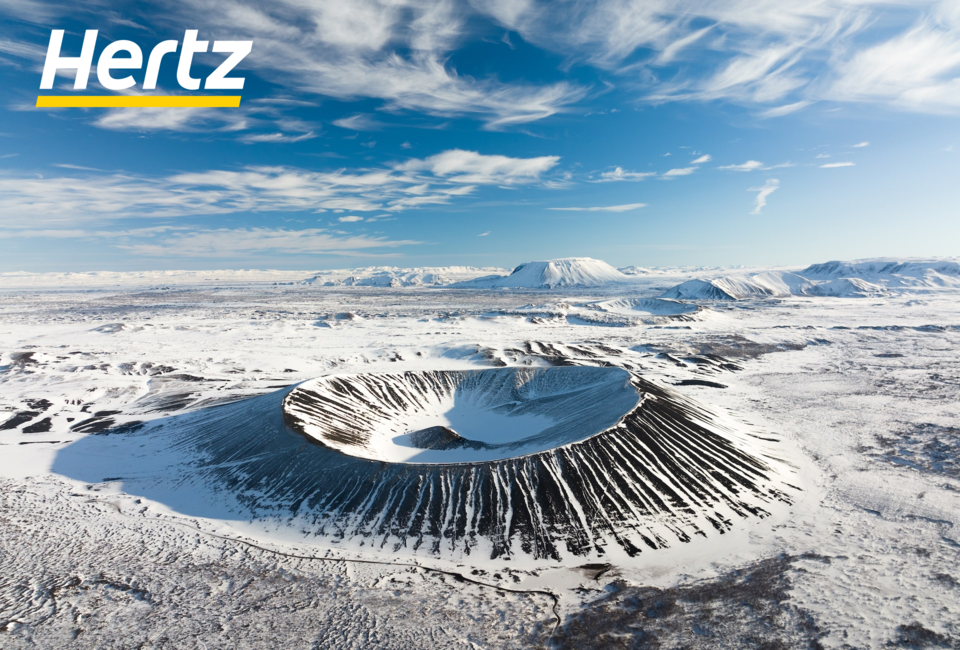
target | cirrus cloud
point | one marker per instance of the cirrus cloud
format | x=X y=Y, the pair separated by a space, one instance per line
x=749 y=166
x=102 y=197
x=232 y=242
x=768 y=188
x=462 y=166
x=618 y=174
x=606 y=208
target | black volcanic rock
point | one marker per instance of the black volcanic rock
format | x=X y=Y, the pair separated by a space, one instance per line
x=440 y=437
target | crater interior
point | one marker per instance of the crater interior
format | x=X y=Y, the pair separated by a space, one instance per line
x=460 y=416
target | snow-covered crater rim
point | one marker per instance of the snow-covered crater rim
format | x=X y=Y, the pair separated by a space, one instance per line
x=460 y=416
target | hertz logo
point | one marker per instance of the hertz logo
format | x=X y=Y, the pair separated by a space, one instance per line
x=108 y=63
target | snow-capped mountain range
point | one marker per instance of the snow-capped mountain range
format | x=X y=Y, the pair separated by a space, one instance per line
x=858 y=278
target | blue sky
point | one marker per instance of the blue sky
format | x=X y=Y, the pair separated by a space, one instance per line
x=412 y=133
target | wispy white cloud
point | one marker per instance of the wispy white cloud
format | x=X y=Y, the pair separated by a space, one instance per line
x=37 y=11
x=768 y=188
x=837 y=164
x=396 y=51
x=360 y=122
x=460 y=166
x=705 y=158
x=776 y=56
x=607 y=208
x=77 y=167
x=618 y=174
x=351 y=218
x=173 y=119
x=23 y=50
x=226 y=242
x=786 y=109
x=254 y=138
x=101 y=197
x=187 y=241
x=82 y=233
x=749 y=166
x=918 y=69
x=681 y=171
x=860 y=145
x=249 y=124
x=484 y=234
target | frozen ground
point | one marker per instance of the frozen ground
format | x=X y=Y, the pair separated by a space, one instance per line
x=99 y=547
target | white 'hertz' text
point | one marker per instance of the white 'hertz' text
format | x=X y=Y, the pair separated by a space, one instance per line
x=109 y=62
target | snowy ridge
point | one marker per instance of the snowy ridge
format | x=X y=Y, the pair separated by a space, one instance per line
x=619 y=312
x=770 y=284
x=637 y=270
x=552 y=274
x=846 y=288
x=835 y=279
x=891 y=272
x=699 y=282
x=396 y=277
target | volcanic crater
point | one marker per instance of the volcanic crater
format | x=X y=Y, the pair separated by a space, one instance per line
x=550 y=465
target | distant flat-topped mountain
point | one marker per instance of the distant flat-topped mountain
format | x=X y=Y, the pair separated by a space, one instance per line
x=551 y=274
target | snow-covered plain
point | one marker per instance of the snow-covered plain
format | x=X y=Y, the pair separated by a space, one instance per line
x=152 y=494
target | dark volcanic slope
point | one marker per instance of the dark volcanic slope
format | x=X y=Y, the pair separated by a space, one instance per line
x=659 y=478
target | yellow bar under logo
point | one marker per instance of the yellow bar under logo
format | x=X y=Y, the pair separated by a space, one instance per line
x=138 y=101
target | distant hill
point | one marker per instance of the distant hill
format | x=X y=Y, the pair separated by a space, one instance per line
x=551 y=274
x=890 y=272
x=772 y=284
x=737 y=287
